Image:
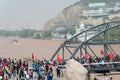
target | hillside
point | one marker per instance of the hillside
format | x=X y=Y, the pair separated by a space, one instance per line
x=72 y=15
x=69 y=16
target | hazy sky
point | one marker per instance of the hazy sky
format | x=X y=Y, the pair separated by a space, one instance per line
x=16 y=13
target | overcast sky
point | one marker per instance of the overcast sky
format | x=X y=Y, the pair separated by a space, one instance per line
x=16 y=13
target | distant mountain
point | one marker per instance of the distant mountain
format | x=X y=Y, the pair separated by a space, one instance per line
x=69 y=16
x=72 y=15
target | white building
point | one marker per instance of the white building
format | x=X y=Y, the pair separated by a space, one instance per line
x=97 y=4
x=89 y=33
x=94 y=11
x=80 y=28
x=117 y=6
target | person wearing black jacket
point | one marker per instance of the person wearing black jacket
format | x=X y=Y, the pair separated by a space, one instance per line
x=58 y=71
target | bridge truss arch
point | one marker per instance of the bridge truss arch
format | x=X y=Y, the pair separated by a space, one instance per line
x=96 y=36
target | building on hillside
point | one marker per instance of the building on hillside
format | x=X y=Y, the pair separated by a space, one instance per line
x=59 y=29
x=80 y=28
x=99 y=9
x=94 y=11
x=114 y=7
x=61 y=35
x=97 y=4
x=89 y=33
x=117 y=6
x=58 y=34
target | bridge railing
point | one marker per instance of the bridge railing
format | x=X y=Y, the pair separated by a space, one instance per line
x=103 y=67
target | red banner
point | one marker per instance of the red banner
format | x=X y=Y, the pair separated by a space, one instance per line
x=58 y=58
x=33 y=56
x=102 y=52
x=110 y=55
x=86 y=56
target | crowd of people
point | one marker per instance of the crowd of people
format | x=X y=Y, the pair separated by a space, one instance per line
x=22 y=70
x=39 y=69
x=97 y=60
x=100 y=64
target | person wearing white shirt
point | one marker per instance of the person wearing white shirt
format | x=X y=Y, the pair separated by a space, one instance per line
x=106 y=78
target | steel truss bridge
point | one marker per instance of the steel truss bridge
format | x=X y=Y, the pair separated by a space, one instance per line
x=81 y=43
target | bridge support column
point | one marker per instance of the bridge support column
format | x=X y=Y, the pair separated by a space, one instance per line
x=105 y=36
x=63 y=53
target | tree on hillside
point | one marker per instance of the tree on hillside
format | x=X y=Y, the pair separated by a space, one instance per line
x=46 y=34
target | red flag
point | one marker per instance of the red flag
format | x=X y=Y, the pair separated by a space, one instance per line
x=58 y=58
x=110 y=55
x=102 y=52
x=33 y=56
x=86 y=56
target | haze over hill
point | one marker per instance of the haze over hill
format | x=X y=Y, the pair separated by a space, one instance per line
x=73 y=15
x=32 y=14
x=17 y=15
